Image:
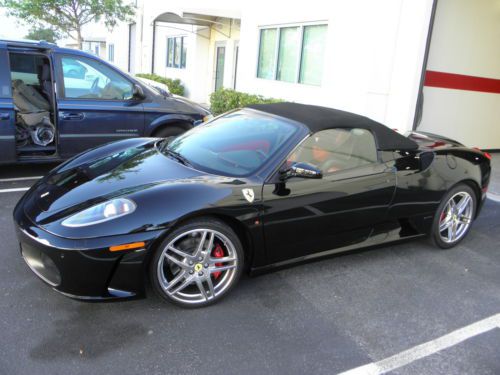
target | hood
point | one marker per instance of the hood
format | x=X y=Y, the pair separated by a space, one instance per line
x=199 y=107
x=116 y=174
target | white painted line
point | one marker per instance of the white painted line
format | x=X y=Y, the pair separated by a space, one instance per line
x=20 y=179
x=420 y=351
x=493 y=196
x=14 y=190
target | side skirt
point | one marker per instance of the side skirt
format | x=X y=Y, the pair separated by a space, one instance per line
x=375 y=240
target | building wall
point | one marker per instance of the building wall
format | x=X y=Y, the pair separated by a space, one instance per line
x=373 y=54
x=225 y=33
x=465 y=41
x=120 y=39
x=172 y=30
x=373 y=58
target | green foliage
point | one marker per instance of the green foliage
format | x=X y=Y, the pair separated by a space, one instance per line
x=68 y=16
x=44 y=33
x=224 y=100
x=174 y=85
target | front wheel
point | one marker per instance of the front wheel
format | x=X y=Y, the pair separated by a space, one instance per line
x=197 y=264
x=169 y=131
x=454 y=216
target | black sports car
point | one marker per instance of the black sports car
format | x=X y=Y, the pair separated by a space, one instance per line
x=254 y=189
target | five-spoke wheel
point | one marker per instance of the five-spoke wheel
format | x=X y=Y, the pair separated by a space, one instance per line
x=454 y=216
x=198 y=263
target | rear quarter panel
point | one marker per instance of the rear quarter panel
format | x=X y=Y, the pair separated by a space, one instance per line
x=421 y=186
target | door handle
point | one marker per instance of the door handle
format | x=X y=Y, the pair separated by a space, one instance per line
x=72 y=116
x=4 y=115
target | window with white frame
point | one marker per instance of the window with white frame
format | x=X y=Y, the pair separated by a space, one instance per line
x=176 y=52
x=111 y=52
x=292 y=53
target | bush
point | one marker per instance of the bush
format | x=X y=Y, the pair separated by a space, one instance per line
x=224 y=100
x=174 y=85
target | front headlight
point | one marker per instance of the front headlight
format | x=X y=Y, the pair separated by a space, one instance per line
x=101 y=212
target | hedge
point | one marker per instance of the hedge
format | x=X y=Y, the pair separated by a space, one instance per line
x=224 y=100
x=174 y=85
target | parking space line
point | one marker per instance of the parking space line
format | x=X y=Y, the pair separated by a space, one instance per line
x=420 y=351
x=493 y=196
x=20 y=179
x=14 y=190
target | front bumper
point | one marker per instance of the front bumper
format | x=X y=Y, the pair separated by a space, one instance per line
x=85 y=268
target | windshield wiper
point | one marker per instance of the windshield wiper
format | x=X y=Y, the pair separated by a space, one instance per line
x=177 y=156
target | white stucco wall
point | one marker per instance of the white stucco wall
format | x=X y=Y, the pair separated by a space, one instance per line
x=373 y=54
x=373 y=58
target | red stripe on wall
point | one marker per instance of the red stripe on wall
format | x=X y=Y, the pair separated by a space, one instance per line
x=461 y=82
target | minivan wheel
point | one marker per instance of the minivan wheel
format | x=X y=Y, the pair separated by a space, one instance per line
x=169 y=131
x=454 y=216
x=197 y=264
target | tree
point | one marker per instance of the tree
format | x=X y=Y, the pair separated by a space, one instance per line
x=44 y=33
x=68 y=16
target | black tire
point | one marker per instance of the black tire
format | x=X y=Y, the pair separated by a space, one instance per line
x=435 y=236
x=169 y=131
x=200 y=224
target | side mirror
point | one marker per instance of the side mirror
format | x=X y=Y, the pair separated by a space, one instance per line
x=304 y=170
x=138 y=92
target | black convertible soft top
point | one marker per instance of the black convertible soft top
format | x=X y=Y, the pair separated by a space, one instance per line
x=318 y=118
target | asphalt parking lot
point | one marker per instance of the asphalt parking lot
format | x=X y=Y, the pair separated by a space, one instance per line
x=374 y=308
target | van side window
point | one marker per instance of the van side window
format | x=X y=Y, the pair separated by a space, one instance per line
x=337 y=149
x=89 y=79
x=24 y=67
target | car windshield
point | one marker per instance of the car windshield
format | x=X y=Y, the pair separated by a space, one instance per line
x=236 y=144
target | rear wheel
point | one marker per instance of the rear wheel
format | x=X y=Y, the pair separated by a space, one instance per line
x=197 y=264
x=454 y=216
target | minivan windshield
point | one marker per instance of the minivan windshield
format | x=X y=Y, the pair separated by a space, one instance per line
x=236 y=144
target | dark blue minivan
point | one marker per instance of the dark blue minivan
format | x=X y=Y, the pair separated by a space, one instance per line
x=57 y=102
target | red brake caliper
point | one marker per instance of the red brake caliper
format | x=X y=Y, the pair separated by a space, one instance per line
x=218 y=253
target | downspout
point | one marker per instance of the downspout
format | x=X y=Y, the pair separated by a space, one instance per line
x=153 y=49
x=129 y=45
x=420 y=99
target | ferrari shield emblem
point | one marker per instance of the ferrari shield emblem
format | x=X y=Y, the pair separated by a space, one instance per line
x=248 y=194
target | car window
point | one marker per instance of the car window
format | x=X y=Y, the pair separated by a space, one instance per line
x=333 y=150
x=236 y=144
x=25 y=68
x=89 y=79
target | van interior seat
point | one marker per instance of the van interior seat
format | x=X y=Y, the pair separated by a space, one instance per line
x=28 y=99
x=44 y=76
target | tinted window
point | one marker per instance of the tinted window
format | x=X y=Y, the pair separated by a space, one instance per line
x=337 y=149
x=89 y=79
x=26 y=67
x=176 y=52
x=267 y=53
x=313 y=49
x=236 y=144
x=299 y=56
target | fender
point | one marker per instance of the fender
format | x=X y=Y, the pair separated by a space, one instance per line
x=101 y=151
x=168 y=119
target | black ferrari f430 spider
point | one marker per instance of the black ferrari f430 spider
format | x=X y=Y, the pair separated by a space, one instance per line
x=252 y=190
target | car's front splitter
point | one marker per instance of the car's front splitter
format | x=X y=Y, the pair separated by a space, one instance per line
x=86 y=269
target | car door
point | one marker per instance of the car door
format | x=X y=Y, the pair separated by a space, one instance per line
x=95 y=104
x=7 y=114
x=303 y=216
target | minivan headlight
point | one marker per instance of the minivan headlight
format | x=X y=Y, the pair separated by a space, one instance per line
x=101 y=212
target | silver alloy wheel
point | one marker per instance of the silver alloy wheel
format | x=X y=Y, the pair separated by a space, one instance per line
x=456 y=217
x=187 y=271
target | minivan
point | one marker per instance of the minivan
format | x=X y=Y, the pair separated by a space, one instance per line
x=57 y=102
